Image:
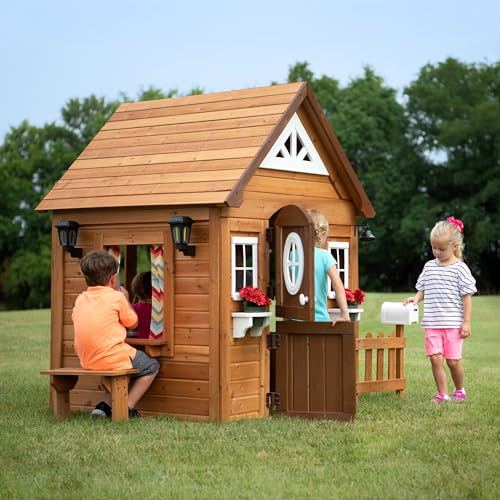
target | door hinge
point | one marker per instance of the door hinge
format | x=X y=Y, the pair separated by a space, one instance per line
x=270 y=232
x=272 y=400
x=273 y=341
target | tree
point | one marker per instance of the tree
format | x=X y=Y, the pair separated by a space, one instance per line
x=454 y=112
x=32 y=159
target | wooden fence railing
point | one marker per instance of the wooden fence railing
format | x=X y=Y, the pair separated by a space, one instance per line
x=382 y=366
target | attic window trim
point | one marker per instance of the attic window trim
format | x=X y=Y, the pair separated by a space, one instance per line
x=294 y=151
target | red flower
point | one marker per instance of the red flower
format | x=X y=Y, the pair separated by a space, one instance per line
x=354 y=297
x=254 y=295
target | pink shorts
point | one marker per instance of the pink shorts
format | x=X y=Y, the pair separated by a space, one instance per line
x=445 y=341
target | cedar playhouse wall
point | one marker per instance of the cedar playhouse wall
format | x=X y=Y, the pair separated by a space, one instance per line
x=198 y=156
x=187 y=383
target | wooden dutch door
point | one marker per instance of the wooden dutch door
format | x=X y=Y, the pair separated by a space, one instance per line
x=313 y=369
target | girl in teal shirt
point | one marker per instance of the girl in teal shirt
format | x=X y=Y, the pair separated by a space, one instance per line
x=325 y=265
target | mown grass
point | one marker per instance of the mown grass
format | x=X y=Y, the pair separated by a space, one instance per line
x=395 y=448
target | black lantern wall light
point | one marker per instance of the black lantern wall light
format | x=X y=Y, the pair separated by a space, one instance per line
x=67 y=231
x=365 y=233
x=180 y=225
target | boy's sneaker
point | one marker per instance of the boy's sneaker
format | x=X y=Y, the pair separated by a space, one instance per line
x=133 y=413
x=102 y=410
x=459 y=395
x=440 y=398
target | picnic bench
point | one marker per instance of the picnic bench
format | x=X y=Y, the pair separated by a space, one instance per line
x=116 y=382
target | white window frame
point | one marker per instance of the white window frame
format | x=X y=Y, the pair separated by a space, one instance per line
x=335 y=247
x=293 y=270
x=247 y=241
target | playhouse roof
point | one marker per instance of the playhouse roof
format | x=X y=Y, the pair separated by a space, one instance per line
x=192 y=150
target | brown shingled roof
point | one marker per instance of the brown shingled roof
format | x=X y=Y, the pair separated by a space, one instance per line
x=190 y=150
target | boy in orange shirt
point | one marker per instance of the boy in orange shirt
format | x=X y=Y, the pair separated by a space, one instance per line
x=101 y=316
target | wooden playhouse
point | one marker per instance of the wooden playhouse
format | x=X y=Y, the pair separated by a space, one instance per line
x=243 y=165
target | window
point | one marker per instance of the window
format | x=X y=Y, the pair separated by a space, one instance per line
x=243 y=264
x=294 y=151
x=293 y=263
x=340 y=252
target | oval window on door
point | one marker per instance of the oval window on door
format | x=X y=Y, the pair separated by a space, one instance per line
x=293 y=263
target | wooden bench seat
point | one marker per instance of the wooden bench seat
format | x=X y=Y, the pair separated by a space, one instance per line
x=115 y=382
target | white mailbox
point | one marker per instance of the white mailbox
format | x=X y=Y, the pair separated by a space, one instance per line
x=397 y=313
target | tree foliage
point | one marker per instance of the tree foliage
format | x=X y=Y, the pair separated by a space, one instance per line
x=454 y=112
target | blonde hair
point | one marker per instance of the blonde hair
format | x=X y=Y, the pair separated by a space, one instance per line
x=320 y=226
x=445 y=228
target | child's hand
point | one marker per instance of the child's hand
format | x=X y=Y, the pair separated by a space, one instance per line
x=124 y=291
x=465 y=330
x=342 y=319
x=409 y=300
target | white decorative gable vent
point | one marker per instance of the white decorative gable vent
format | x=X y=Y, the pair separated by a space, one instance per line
x=294 y=151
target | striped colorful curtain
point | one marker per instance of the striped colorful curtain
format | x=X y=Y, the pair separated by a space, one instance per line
x=156 y=328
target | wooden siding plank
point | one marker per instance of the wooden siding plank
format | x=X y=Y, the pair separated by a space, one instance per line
x=290 y=88
x=244 y=387
x=214 y=229
x=169 y=199
x=240 y=353
x=215 y=154
x=244 y=405
x=192 y=336
x=197 y=117
x=244 y=370
x=263 y=205
x=311 y=187
x=183 y=370
x=158 y=168
x=223 y=344
x=177 y=138
x=183 y=128
x=146 y=217
x=178 y=147
x=148 y=179
x=178 y=387
x=202 y=107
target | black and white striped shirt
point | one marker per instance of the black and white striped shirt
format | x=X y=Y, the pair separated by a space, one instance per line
x=444 y=287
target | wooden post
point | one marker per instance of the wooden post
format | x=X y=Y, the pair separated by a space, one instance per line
x=400 y=358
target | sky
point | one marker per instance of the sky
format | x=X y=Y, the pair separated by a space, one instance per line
x=55 y=50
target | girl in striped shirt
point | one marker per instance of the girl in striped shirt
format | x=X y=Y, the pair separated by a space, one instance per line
x=446 y=286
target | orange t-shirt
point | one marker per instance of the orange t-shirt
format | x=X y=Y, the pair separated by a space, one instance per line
x=101 y=316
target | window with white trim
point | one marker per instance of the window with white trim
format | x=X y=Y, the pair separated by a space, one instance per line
x=244 y=270
x=340 y=252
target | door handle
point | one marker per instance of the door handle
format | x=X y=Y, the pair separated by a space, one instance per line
x=303 y=299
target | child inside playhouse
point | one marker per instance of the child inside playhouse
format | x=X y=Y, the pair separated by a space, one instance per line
x=325 y=265
x=141 y=290
x=100 y=316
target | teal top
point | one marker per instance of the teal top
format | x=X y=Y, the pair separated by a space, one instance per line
x=323 y=260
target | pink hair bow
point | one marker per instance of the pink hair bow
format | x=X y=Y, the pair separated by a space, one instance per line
x=457 y=223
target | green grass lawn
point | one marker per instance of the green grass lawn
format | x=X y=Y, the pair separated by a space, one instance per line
x=395 y=448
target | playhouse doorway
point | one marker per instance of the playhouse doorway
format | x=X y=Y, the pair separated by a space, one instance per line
x=313 y=369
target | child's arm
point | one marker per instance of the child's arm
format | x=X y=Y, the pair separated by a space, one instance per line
x=415 y=299
x=339 y=290
x=126 y=295
x=467 y=302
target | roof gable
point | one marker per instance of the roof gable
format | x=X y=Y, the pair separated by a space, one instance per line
x=294 y=151
x=194 y=150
